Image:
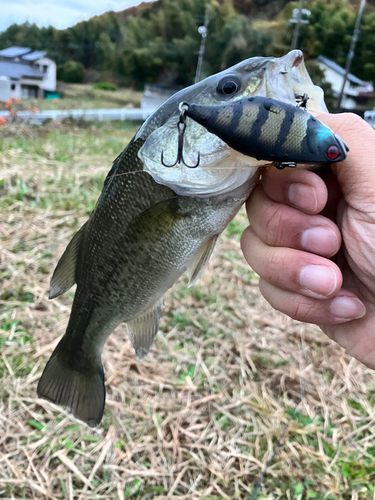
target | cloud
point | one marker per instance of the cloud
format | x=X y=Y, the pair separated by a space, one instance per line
x=58 y=13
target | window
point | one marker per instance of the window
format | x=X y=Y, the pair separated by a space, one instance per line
x=13 y=86
x=44 y=68
x=29 y=91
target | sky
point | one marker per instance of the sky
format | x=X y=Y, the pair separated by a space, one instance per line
x=58 y=13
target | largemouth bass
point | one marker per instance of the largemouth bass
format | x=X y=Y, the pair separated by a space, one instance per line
x=152 y=223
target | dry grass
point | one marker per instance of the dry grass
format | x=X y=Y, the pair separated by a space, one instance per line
x=199 y=417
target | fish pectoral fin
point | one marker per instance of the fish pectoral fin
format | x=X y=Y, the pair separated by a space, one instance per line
x=156 y=222
x=64 y=275
x=200 y=260
x=143 y=330
x=79 y=387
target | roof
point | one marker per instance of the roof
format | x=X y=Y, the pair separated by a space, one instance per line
x=336 y=67
x=33 y=56
x=12 y=52
x=18 y=70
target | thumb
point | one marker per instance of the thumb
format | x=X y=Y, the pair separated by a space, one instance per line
x=356 y=174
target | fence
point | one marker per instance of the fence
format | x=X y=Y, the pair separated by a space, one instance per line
x=85 y=114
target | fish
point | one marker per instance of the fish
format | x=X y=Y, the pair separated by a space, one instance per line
x=268 y=129
x=151 y=224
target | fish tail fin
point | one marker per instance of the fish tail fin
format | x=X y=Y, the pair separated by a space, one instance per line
x=75 y=382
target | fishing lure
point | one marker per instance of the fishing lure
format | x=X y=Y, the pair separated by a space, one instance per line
x=267 y=129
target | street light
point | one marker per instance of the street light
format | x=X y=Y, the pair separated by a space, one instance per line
x=202 y=30
x=297 y=19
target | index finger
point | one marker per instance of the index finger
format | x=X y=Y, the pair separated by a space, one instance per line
x=297 y=188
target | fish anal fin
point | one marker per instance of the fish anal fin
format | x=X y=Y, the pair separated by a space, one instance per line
x=143 y=330
x=200 y=260
x=79 y=388
x=64 y=275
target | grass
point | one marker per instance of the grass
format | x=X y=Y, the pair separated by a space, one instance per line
x=199 y=417
x=85 y=96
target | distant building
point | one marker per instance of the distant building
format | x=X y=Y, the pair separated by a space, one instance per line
x=357 y=93
x=26 y=73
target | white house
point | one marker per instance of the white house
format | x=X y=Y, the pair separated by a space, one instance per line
x=356 y=92
x=25 y=73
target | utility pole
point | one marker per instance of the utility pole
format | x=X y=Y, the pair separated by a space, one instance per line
x=351 y=52
x=297 y=19
x=202 y=30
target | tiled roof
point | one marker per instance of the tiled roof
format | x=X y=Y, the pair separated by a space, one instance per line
x=14 y=51
x=16 y=71
x=331 y=64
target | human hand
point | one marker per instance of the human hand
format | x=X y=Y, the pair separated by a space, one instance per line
x=312 y=241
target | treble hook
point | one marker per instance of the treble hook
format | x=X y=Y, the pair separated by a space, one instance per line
x=181 y=126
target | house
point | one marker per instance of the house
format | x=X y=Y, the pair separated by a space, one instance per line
x=26 y=73
x=357 y=93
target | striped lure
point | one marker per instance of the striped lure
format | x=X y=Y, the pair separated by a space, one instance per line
x=267 y=129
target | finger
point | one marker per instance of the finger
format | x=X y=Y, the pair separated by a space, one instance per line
x=292 y=270
x=334 y=196
x=342 y=308
x=298 y=188
x=282 y=226
x=356 y=174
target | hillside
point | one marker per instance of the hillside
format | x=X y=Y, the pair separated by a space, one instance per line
x=159 y=41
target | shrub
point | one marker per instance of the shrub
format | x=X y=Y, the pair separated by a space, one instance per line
x=105 y=86
x=70 y=72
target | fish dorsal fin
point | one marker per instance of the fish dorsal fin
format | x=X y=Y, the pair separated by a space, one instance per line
x=200 y=260
x=64 y=275
x=142 y=330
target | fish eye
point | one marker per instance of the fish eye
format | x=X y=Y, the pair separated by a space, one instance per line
x=228 y=85
x=333 y=152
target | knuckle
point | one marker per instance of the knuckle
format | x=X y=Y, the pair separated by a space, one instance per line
x=273 y=224
x=303 y=309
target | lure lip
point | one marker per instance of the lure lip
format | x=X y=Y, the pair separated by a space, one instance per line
x=343 y=145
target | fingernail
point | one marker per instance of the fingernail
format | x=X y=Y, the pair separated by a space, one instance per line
x=347 y=307
x=303 y=196
x=318 y=279
x=317 y=239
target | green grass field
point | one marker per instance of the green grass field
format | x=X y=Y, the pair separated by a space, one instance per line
x=199 y=417
x=85 y=96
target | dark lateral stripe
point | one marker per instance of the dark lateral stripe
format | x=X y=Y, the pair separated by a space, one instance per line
x=237 y=113
x=286 y=125
x=256 y=129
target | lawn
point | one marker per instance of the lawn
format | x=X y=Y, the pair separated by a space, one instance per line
x=199 y=417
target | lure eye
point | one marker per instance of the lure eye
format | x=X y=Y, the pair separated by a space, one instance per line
x=228 y=85
x=333 y=152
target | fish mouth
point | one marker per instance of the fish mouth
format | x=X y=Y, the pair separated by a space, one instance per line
x=286 y=79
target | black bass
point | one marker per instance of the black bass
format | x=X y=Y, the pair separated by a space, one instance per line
x=152 y=223
x=267 y=129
